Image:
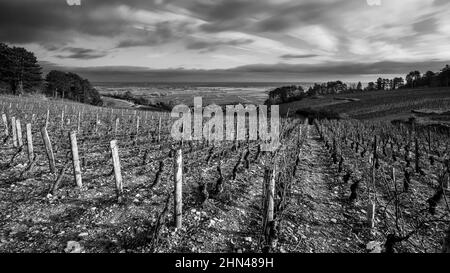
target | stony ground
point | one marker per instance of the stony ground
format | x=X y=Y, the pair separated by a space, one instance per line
x=318 y=218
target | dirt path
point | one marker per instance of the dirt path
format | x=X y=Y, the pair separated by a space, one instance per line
x=315 y=219
x=117 y=103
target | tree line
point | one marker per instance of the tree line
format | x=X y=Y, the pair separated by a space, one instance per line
x=291 y=93
x=429 y=79
x=67 y=85
x=414 y=79
x=20 y=74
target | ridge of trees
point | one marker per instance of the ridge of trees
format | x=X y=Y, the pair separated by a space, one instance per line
x=67 y=85
x=429 y=78
x=20 y=73
x=414 y=79
x=285 y=94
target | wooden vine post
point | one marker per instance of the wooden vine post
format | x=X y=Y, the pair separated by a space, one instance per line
x=111 y=117
x=446 y=177
x=299 y=134
x=116 y=127
x=159 y=130
x=14 y=131
x=75 y=159
x=270 y=196
x=268 y=206
x=446 y=183
x=374 y=155
x=47 y=118
x=79 y=122
x=446 y=245
x=62 y=119
x=5 y=122
x=30 y=143
x=371 y=214
x=19 y=133
x=264 y=188
x=371 y=207
x=117 y=170
x=137 y=126
x=97 y=123
x=417 y=155
x=178 y=188
x=48 y=149
x=429 y=140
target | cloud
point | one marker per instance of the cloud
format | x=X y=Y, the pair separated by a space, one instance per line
x=213 y=45
x=346 y=68
x=82 y=53
x=275 y=24
x=225 y=9
x=306 y=13
x=441 y=2
x=242 y=32
x=158 y=34
x=317 y=36
x=426 y=26
x=46 y=21
x=298 y=56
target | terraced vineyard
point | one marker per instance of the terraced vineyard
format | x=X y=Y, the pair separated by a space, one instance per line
x=327 y=188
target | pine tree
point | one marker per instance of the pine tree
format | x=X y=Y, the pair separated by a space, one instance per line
x=19 y=69
x=359 y=86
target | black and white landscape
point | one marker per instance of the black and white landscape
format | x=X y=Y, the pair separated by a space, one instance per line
x=118 y=131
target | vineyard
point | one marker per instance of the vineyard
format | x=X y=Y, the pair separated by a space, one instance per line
x=77 y=178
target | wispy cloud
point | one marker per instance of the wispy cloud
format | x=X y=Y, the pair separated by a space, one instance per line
x=82 y=53
x=207 y=46
x=298 y=56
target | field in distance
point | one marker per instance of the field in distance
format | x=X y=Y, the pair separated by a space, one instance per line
x=184 y=93
x=426 y=105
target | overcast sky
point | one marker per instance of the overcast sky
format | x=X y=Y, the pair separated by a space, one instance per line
x=237 y=40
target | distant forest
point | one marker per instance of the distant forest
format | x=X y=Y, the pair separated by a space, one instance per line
x=414 y=79
x=20 y=74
